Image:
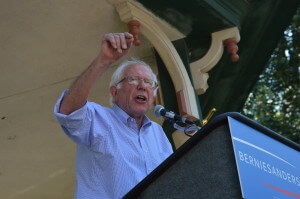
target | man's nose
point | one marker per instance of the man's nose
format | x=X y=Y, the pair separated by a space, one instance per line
x=142 y=84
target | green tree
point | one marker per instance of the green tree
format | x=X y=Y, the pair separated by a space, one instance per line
x=275 y=100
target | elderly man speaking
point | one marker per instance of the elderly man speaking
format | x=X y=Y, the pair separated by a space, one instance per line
x=116 y=147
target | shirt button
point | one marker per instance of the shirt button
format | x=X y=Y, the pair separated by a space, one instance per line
x=146 y=151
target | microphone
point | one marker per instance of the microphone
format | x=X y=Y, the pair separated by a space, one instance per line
x=160 y=111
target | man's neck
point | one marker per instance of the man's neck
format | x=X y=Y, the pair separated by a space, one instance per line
x=138 y=118
x=139 y=121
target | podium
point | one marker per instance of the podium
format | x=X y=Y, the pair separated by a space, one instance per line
x=230 y=157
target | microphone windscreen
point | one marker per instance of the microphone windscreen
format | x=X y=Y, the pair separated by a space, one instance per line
x=157 y=109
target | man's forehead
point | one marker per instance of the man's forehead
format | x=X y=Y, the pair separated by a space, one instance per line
x=137 y=68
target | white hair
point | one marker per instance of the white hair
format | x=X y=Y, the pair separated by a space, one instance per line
x=118 y=75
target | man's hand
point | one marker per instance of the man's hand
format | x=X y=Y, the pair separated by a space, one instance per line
x=115 y=46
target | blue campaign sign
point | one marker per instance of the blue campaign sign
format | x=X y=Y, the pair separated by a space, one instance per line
x=267 y=168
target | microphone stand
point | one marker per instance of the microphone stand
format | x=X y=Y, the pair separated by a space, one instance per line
x=186 y=129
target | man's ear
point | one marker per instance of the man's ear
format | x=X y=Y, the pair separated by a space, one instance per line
x=113 y=91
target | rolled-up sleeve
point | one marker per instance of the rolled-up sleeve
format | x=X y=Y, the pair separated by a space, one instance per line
x=77 y=124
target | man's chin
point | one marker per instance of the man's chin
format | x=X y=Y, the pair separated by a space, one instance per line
x=141 y=111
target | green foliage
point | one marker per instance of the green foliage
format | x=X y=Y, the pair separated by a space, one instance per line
x=275 y=100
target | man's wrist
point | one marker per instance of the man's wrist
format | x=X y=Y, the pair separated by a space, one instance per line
x=103 y=63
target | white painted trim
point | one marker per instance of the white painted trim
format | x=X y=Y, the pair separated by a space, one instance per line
x=200 y=67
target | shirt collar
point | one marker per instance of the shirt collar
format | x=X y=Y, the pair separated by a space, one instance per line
x=125 y=118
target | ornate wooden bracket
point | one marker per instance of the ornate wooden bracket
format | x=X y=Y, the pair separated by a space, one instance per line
x=228 y=37
x=134 y=29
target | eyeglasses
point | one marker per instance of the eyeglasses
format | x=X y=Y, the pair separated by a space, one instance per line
x=133 y=80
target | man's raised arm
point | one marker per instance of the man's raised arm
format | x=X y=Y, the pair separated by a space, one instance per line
x=113 y=47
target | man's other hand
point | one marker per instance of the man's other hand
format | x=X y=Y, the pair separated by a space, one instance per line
x=115 y=46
